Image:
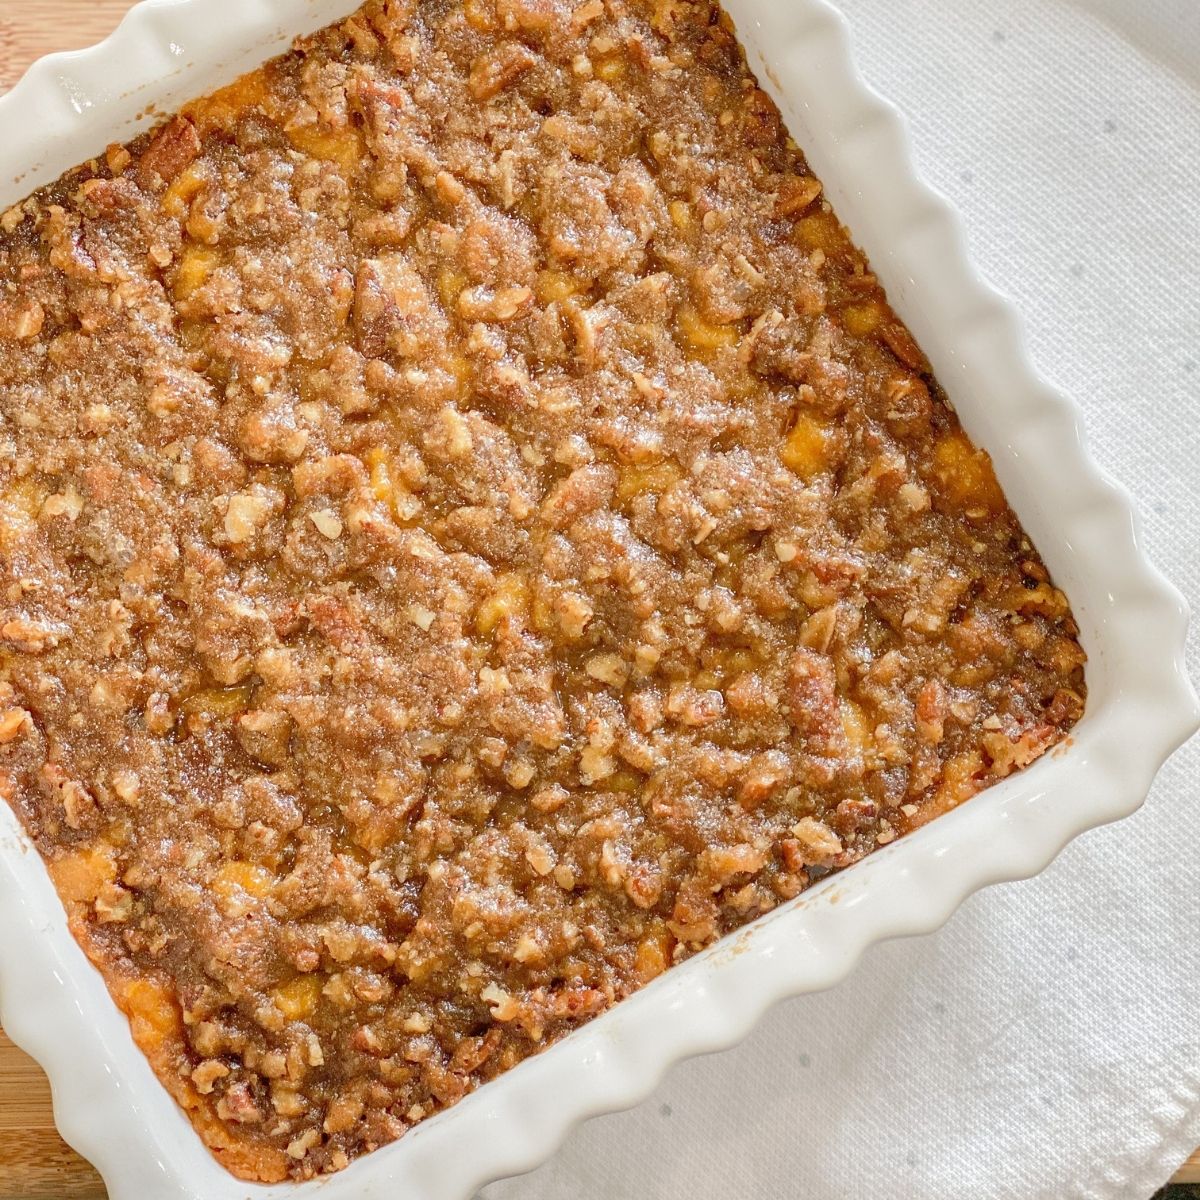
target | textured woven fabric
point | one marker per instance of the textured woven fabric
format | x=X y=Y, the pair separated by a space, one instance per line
x=1046 y=1044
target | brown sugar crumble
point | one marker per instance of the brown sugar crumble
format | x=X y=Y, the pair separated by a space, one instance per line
x=473 y=533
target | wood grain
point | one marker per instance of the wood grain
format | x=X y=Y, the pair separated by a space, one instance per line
x=31 y=28
x=35 y=1163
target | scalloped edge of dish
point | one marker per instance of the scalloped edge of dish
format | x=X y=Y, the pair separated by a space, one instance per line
x=109 y=1105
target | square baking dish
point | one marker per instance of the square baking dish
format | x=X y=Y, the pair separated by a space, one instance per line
x=1141 y=706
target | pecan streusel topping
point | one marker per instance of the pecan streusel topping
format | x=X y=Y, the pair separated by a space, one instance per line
x=473 y=533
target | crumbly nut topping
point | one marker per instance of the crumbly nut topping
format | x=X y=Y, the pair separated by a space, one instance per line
x=473 y=533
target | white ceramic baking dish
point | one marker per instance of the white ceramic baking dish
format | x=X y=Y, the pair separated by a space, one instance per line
x=1141 y=706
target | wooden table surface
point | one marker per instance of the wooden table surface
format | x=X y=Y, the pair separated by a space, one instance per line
x=35 y=1164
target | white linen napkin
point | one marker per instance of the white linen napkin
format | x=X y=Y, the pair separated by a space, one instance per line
x=1045 y=1044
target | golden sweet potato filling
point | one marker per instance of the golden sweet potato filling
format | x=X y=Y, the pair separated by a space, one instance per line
x=473 y=533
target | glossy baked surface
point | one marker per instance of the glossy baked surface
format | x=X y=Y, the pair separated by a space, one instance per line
x=469 y=544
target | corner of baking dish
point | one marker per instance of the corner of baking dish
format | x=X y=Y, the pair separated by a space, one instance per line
x=1141 y=705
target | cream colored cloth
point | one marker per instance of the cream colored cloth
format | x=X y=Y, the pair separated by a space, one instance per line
x=1046 y=1044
